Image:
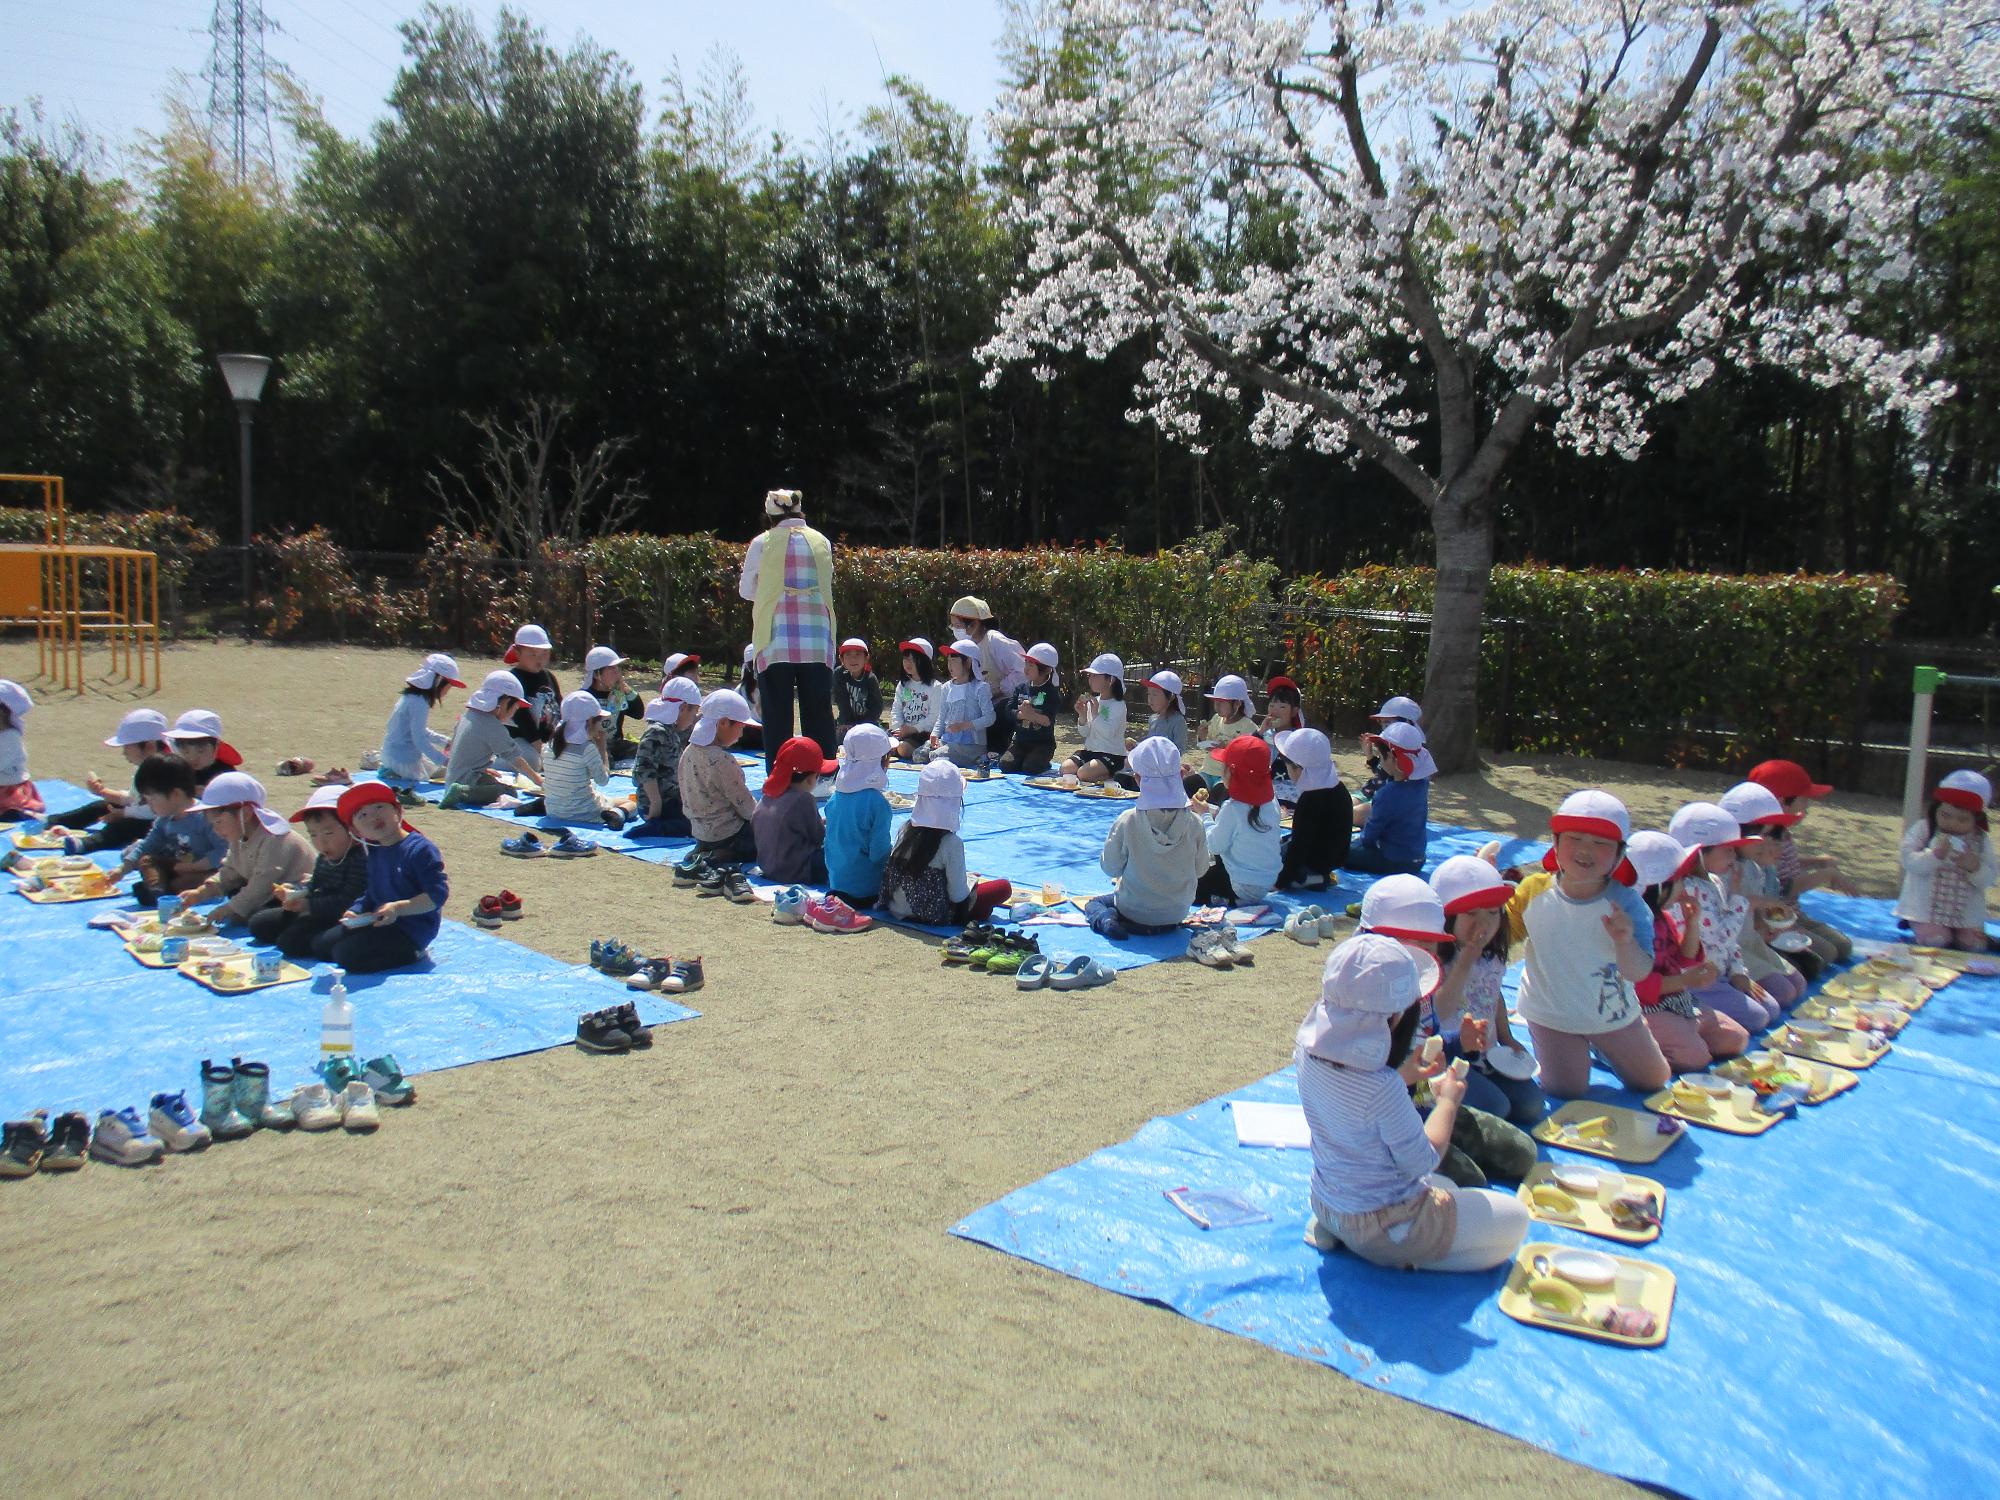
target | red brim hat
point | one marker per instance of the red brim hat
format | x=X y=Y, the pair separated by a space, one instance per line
x=1405 y=762
x=227 y=754
x=912 y=646
x=1280 y=682
x=1413 y=934
x=1780 y=820
x=1624 y=874
x=1786 y=779
x=1485 y=899
x=1249 y=762
x=363 y=793
x=513 y=654
x=1687 y=866
x=1965 y=798
x=794 y=756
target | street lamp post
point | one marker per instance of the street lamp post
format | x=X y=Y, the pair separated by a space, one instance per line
x=246 y=374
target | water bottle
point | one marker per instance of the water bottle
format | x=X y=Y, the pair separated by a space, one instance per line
x=336 y=1020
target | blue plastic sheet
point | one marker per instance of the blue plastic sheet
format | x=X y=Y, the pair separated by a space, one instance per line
x=85 y=1026
x=1837 y=1327
x=1028 y=835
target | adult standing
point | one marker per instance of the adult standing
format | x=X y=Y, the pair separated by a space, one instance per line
x=788 y=579
x=1002 y=663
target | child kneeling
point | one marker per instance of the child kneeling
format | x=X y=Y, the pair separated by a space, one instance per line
x=1373 y=1188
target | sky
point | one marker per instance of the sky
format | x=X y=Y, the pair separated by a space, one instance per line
x=107 y=64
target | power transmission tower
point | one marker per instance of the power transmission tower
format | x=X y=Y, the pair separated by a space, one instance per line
x=239 y=96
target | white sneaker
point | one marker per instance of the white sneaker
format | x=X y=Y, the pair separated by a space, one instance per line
x=1329 y=924
x=313 y=1108
x=357 y=1108
x=1205 y=948
x=1231 y=944
x=1302 y=926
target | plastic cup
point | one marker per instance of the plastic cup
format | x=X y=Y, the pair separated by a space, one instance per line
x=1609 y=1185
x=1743 y=1099
x=168 y=909
x=1631 y=1284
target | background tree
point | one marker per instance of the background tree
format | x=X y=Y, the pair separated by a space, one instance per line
x=1554 y=210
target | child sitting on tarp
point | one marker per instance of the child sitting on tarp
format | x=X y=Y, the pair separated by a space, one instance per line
x=1798 y=871
x=405 y=891
x=1157 y=851
x=180 y=849
x=1322 y=812
x=140 y=734
x=790 y=834
x=1374 y=1191
x=264 y=854
x=18 y=797
x=1244 y=841
x=339 y=876
x=859 y=818
x=1033 y=748
x=925 y=879
x=1705 y=827
x=1948 y=865
x=1691 y=1035
x=656 y=765
x=1393 y=837
x=197 y=739
x=714 y=794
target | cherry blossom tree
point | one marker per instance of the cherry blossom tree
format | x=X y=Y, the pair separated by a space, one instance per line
x=1488 y=216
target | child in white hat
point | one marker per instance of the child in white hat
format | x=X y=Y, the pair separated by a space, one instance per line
x=535 y=723
x=1690 y=1034
x=1949 y=866
x=714 y=794
x=412 y=751
x=1718 y=841
x=913 y=714
x=857 y=692
x=965 y=708
x=656 y=765
x=1374 y=1188
x=1033 y=746
x=859 y=818
x=18 y=797
x=575 y=768
x=264 y=854
x=1588 y=938
x=1157 y=851
x=924 y=879
x=484 y=743
x=604 y=675
x=1101 y=715
x=1322 y=812
x=1393 y=835
x=1229 y=716
x=140 y=733
x=1469 y=1009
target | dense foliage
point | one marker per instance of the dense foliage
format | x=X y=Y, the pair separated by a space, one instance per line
x=532 y=224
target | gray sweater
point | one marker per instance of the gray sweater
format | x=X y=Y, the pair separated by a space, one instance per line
x=1156 y=856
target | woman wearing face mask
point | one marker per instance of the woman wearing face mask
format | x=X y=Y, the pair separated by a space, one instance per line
x=1002 y=664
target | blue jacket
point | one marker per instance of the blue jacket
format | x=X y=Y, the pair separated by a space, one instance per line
x=1396 y=818
x=857 y=841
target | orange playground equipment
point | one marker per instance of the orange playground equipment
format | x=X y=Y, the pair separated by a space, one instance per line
x=71 y=593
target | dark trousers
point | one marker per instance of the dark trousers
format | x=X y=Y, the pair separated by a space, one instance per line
x=740 y=850
x=1214 y=886
x=292 y=933
x=367 y=950
x=1000 y=734
x=804 y=689
x=672 y=823
x=1371 y=861
x=118 y=831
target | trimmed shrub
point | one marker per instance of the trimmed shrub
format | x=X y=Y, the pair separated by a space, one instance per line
x=1599 y=658
x=177 y=541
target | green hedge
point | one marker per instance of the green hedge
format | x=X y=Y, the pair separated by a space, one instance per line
x=1589 y=661
x=179 y=543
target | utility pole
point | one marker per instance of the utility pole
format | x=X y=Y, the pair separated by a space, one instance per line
x=239 y=96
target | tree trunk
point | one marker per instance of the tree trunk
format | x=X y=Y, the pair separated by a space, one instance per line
x=1463 y=531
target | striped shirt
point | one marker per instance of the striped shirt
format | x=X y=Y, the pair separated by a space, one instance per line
x=1368 y=1143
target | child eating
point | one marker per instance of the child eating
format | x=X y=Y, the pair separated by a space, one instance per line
x=1393 y=836
x=1033 y=746
x=339 y=876
x=1948 y=865
x=180 y=849
x=264 y=854
x=405 y=889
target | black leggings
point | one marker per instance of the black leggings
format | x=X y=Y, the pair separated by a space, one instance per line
x=367 y=950
x=291 y=932
x=1214 y=886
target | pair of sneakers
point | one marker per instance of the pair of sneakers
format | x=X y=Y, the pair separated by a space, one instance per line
x=669 y=976
x=31 y=1144
x=353 y=1107
x=491 y=911
x=797 y=907
x=615 y=1029
x=1309 y=924
x=569 y=846
x=236 y=1099
x=997 y=952
x=382 y=1076
x=609 y=956
x=1219 y=948
x=726 y=881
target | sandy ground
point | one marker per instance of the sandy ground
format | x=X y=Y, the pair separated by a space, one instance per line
x=718 y=1267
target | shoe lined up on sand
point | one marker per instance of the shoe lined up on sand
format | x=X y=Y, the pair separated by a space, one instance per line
x=1205 y=947
x=612 y=957
x=486 y=912
x=174 y=1124
x=357 y=1108
x=384 y=1075
x=218 y=1102
x=510 y=907
x=527 y=846
x=253 y=1096
x=313 y=1107
x=599 y=1031
x=23 y=1144
x=1232 y=945
x=977 y=935
x=569 y=846
x=789 y=909
x=121 y=1138
x=690 y=870
x=831 y=914
x=69 y=1142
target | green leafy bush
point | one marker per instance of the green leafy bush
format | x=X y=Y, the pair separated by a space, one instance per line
x=1581 y=661
x=178 y=542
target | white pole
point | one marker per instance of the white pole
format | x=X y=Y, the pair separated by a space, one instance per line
x=1924 y=686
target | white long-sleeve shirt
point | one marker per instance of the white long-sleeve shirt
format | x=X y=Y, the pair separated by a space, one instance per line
x=13 y=757
x=1250 y=854
x=570 y=782
x=409 y=745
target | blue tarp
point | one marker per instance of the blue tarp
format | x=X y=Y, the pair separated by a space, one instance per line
x=1837 y=1328
x=1028 y=835
x=84 y=1026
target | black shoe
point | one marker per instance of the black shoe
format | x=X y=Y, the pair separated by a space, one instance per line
x=600 y=1032
x=626 y=1018
x=736 y=886
x=69 y=1143
x=709 y=881
x=690 y=870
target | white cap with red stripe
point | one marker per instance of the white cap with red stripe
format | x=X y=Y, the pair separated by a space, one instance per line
x=1596 y=813
x=1404 y=906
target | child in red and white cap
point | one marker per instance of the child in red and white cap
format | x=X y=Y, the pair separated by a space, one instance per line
x=790 y=834
x=1798 y=871
x=857 y=694
x=913 y=712
x=1948 y=865
x=412 y=751
x=197 y=739
x=1397 y=710
x=1393 y=828
x=1588 y=942
x=1718 y=838
x=1690 y=1034
x=339 y=876
x=1768 y=827
x=1244 y=840
x=1469 y=1010
x=405 y=891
